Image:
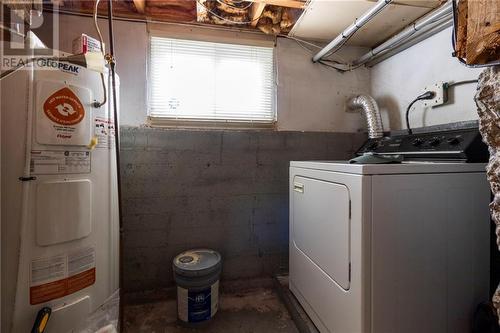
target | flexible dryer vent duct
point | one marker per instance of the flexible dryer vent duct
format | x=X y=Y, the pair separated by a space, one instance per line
x=371 y=112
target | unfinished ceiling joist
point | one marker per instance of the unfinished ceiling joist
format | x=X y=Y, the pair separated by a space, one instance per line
x=256 y=12
x=269 y=16
x=281 y=3
x=140 y=5
x=478 y=31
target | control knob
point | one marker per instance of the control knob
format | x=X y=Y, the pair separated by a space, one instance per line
x=417 y=142
x=373 y=145
x=453 y=141
x=434 y=142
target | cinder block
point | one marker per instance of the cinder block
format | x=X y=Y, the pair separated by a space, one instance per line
x=271 y=179
x=271 y=209
x=231 y=210
x=227 y=190
x=271 y=238
x=151 y=221
x=171 y=139
x=239 y=148
x=127 y=138
x=145 y=238
x=271 y=140
x=340 y=145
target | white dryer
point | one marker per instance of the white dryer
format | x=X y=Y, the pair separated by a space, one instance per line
x=389 y=248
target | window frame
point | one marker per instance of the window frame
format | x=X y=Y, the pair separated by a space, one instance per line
x=224 y=36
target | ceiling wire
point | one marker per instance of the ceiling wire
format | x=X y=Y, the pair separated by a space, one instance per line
x=332 y=63
x=236 y=1
x=300 y=42
x=226 y=19
x=226 y=3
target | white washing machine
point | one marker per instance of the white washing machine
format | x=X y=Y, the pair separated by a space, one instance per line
x=391 y=248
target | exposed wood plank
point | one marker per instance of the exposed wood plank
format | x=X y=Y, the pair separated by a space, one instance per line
x=170 y=15
x=171 y=10
x=140 y=5
x=483 y=31
x=256 y=12
x=187 y=5
x=187 y=11
x=282 y=3
x=461 y=45
x=120 y=8
x=163 y=10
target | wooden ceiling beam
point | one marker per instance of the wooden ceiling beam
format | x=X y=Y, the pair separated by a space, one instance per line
x=483 y=31
x=255 y=12
x=283 y=3
x=140 y=5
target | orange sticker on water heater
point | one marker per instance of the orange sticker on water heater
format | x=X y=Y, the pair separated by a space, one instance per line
x=61 y=275
x=64 y=108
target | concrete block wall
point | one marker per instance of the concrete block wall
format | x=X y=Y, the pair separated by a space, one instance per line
x=226 y=190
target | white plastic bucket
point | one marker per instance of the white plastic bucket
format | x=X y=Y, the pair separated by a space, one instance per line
x=197 y=274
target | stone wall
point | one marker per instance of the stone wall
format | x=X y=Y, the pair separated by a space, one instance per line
x=488 y=103
x=227 y=190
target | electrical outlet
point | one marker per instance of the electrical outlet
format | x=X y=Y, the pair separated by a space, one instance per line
x=441 y=96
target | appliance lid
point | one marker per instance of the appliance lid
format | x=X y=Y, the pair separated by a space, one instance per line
x=415 y=167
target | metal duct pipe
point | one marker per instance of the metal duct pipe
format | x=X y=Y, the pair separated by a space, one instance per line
x=371 y=112
x=351 y=30
x=429 y=21
x=417 y=38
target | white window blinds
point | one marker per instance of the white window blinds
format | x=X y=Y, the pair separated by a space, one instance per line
x=205 y=81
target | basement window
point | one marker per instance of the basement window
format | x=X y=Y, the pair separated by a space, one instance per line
x=199 y=83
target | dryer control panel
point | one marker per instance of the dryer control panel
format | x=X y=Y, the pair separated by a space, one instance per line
x=463 y=145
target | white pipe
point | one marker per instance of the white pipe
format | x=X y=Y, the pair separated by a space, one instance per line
x=434 y=18
x=351 y=30
x=415 y=39
x=26 y=186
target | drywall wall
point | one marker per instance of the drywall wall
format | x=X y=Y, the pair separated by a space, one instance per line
x=227 y=190
x=395 y=82
x=310 y=97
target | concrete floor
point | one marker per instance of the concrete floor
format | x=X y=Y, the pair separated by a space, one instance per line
x=253 y=311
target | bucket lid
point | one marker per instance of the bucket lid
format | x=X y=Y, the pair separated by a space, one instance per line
x=197 y=262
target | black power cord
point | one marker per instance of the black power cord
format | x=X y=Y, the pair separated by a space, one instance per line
x=425 y=95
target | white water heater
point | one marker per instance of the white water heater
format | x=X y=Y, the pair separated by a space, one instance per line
x=59 y=197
